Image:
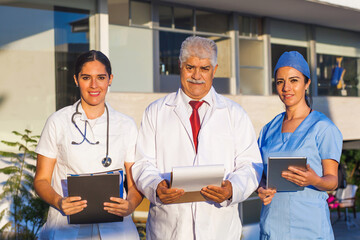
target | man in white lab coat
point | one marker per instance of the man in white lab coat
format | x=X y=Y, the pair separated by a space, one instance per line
x=166 y=140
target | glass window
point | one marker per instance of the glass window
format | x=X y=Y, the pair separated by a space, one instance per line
x=276 y=51
x=140 y=13
x=165 y=16
x=170 y=44
x=211 y=22
x=71 y=39
x=250 y=26
x=338 y=75
x=251 y=67
x=183 y=18
x=119 y=12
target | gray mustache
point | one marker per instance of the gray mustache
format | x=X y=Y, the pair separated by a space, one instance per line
x=195 y=81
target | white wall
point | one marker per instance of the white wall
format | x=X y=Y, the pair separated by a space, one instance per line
x=27 y=82
x=343 y=111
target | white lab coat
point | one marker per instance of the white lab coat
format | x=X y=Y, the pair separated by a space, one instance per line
x=165 y=141
x=55 y=142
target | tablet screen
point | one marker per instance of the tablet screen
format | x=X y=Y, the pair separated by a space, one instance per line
x=276 y=165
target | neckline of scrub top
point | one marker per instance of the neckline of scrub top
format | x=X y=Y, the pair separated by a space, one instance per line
x=285 y=135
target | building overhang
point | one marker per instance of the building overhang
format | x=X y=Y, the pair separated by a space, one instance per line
x=341 y=14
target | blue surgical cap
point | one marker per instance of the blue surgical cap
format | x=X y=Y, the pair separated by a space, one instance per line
x=295 y=60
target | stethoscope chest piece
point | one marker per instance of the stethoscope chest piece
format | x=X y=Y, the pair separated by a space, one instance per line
x=106 y=162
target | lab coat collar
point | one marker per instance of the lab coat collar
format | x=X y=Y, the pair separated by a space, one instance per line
x=217 y=101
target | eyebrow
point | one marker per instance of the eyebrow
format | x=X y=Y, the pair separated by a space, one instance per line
x=84 y=74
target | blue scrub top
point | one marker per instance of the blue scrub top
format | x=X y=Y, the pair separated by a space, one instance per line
x=302 y=214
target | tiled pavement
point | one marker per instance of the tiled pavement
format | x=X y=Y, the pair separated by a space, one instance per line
x=343 y=230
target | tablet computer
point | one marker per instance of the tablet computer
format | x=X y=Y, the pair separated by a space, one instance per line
x=96 y=188
x=276 y=165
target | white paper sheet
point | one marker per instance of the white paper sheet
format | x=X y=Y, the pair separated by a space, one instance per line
x=194 y=178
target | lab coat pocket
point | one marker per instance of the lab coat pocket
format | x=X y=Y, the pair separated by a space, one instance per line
x=307 y=218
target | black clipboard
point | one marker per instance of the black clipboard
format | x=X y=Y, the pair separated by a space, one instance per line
x=96 y=189
x=276 y=165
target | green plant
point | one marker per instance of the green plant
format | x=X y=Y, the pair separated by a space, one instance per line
x=27 y=211
x=351 y=158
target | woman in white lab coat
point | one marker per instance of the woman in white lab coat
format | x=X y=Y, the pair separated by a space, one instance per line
x=86 y=137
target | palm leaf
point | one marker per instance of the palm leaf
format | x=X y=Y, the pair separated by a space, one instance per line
x=27 y=131
x=6 y=226
x=17 y=133
x=9 y=154
x=11 y=144
x=30 y=167
x=9 y=170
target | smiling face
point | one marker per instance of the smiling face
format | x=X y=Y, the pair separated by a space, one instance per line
x=196 y=76
x=93 y=81
x=291 y=86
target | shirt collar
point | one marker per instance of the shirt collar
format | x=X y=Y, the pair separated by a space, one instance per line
x=186 y=99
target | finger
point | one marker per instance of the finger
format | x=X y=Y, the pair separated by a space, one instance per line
x=118 y=200
x=74 y=210
x=169 y=196
x=116 y=205
x=72 y=199
x=297 y=171
x=215 y=193
x=121 y=214
x=170 y=200
x=170 y=193
x=73 y=204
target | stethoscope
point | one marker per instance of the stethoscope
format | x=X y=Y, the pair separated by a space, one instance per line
x=107 y=160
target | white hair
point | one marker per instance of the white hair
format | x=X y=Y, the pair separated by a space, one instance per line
x=200 y=47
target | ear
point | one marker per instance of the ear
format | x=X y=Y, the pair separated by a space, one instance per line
x=110 y=80
x=215 y=68
x=308 y=84
x=75 y=80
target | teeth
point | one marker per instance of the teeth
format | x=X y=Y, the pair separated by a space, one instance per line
x=94 y=93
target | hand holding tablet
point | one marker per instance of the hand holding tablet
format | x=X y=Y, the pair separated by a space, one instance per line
x=282 y=171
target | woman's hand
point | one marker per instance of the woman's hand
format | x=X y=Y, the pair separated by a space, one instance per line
x=300 y=177
x=266 y=195
x=72 y=205
x=119 y=207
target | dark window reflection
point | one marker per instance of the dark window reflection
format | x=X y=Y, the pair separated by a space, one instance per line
x=170 y=44
x=165 y=16
x=342 y=81
x=211 y=22
x=183 y=18
x=71 y=39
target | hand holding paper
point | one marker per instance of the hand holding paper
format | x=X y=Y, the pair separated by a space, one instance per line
x=71 y=205
x=218 y=194
x=168 y=195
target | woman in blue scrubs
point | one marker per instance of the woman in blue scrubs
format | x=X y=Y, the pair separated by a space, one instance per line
x=299 y=132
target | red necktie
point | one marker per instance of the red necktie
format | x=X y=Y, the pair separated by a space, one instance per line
x=195 y=120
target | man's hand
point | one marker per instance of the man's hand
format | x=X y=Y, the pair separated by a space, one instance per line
x=168 y=195
x=218 y=194
x=71 y=205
